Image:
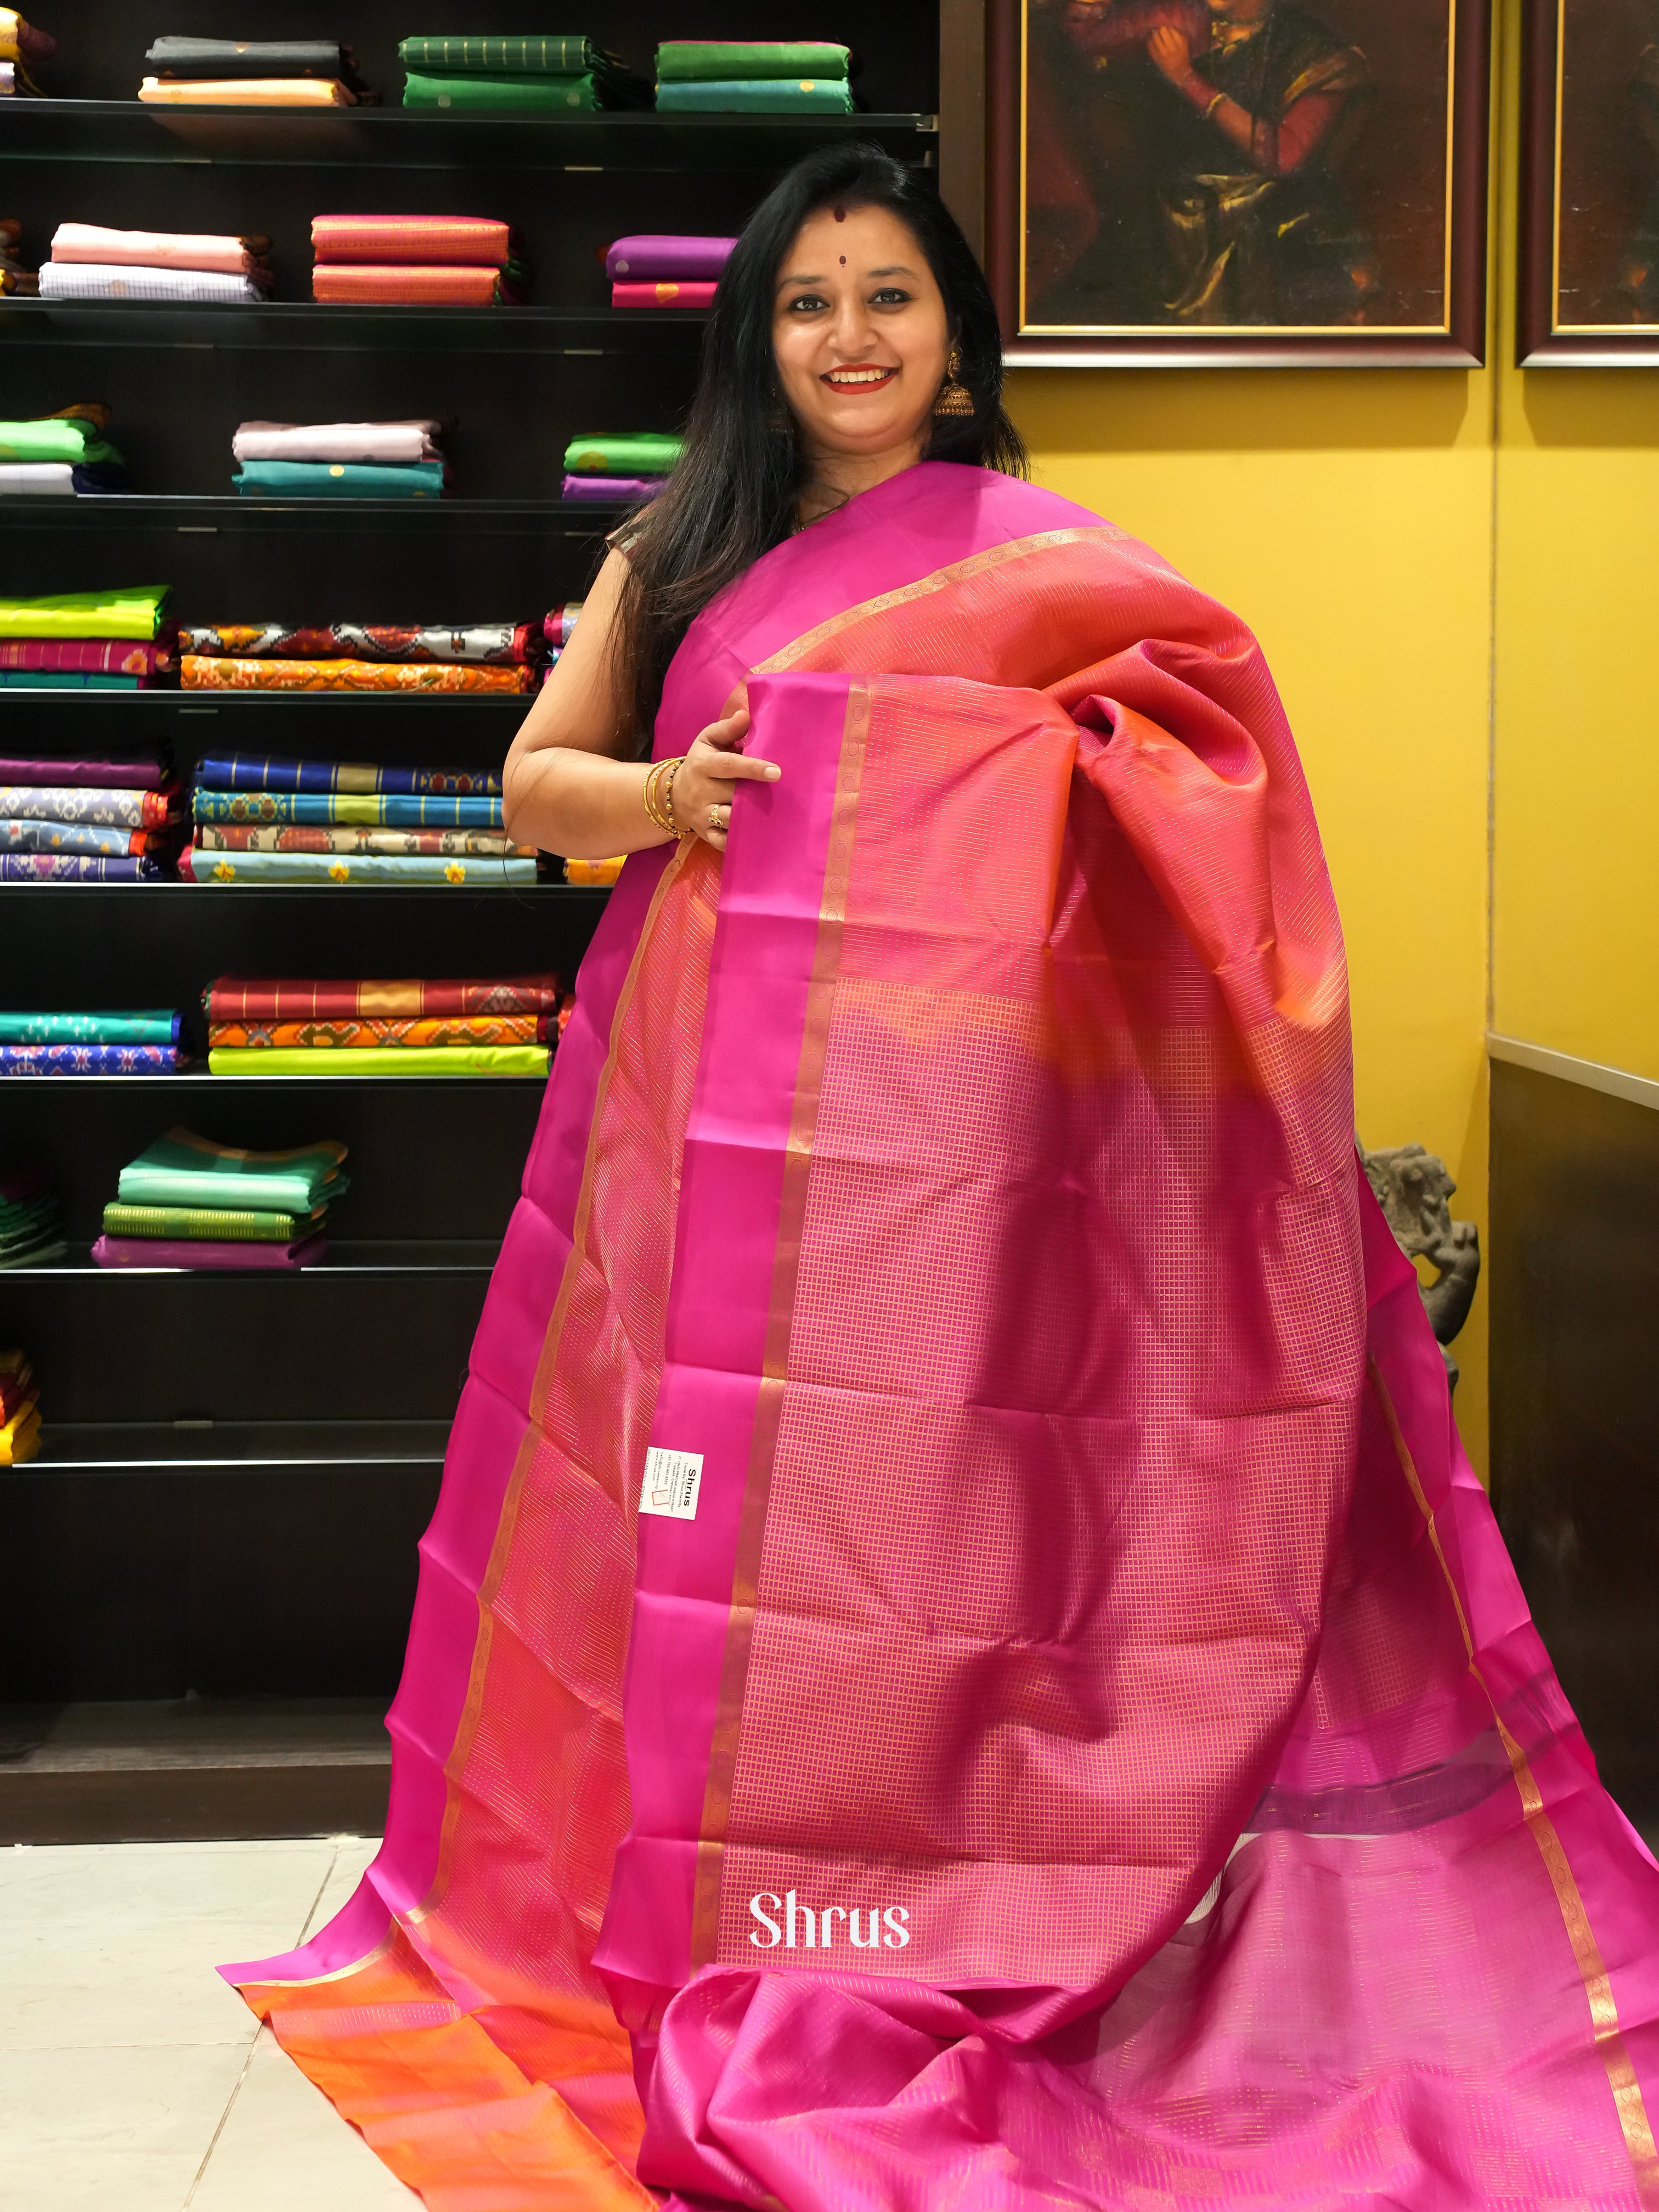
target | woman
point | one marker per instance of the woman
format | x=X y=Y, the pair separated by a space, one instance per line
x=959 y=1662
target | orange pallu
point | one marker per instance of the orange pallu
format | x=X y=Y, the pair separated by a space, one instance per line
x=959 y=1662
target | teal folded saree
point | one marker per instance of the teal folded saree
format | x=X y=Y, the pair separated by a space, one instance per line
x=182 y=1169
x=757 y=97
x=505 y=94
x=339 y=480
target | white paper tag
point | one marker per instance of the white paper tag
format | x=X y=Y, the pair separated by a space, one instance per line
x=671 y=1482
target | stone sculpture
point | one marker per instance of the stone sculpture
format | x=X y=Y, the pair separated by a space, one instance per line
x=1412 y=1187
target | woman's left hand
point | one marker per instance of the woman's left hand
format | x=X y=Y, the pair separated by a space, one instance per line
x=706 y=779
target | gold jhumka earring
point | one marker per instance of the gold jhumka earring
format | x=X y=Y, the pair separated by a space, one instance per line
x=954 y=398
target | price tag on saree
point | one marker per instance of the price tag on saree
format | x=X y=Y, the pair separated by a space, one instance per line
x=671 y=1483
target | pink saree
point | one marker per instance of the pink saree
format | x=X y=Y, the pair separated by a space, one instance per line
x=959 y=1662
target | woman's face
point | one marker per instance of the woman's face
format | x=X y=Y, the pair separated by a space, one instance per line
x=860 y=332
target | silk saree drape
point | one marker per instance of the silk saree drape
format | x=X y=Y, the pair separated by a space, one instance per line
x=959 y=1662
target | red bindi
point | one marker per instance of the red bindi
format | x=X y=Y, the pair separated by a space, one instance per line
x=841 y=215
x=844 y=261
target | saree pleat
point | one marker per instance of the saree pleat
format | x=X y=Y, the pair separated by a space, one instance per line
x=1082 y=1741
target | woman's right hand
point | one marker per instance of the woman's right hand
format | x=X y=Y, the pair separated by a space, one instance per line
x=705 y=779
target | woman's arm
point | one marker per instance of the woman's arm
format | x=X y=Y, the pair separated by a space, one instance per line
x=568 y=788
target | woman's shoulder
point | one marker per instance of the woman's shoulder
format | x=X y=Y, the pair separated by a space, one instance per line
x=1013 y=505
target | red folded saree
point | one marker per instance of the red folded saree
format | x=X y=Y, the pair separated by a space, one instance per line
x=245 y=999
x=472 y=239
x=358 y=285
x=959 y=1662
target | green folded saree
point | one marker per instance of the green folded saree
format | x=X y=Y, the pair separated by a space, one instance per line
x=184 y=1170
x=339 y=480
x=757 y=95
x=504 y=95
x=134 y=612
x=56 y=438
x=505 y=56
x=220 y=1225
x=689 y=61
x=381 y=1060
x=151 y=1026
x=622 y=454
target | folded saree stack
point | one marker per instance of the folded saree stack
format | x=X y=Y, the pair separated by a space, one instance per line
x=264 y=821
x=655 y=269
x=113 y=641
x=471 y=1025
x=17 y=280
x=31 y=1224
x=143 y=1041
x=628 y=465
x=105 y=821
x=92 y=262
x=65 y=455
x=20 y=1408
x=20 y=45
x=765 y=76
x=185 y=1202
x=509 y=76
x=417 y=261
x=258 y=73
x=340 y=460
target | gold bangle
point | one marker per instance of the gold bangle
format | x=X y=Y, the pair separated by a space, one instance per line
x=1213 y=105
x=656 y=777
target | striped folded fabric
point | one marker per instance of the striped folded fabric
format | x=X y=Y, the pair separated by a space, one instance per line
x=274 y=772
x=391 y=810
x=219 y=1223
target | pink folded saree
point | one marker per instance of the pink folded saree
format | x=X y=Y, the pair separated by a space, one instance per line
x=157 y=249
x=959 y=1662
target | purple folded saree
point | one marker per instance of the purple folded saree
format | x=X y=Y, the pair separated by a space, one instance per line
x=982 y=1654
x=667 y=258
x=626 y=491
x=189 y=1252
x=138 y=774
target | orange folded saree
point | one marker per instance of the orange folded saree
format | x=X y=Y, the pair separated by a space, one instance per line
x=959 y=1662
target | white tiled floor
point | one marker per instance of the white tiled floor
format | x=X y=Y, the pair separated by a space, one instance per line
x=132 y=2078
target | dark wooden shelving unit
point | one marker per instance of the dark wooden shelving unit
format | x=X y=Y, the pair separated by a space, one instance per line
x=206 y=1576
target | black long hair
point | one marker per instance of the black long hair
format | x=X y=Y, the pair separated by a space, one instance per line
x=732 y=496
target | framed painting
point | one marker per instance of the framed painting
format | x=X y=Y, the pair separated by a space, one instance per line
x=1239 y=183
x=1588 y=292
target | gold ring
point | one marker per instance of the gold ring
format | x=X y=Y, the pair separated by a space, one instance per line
x=714 y=814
